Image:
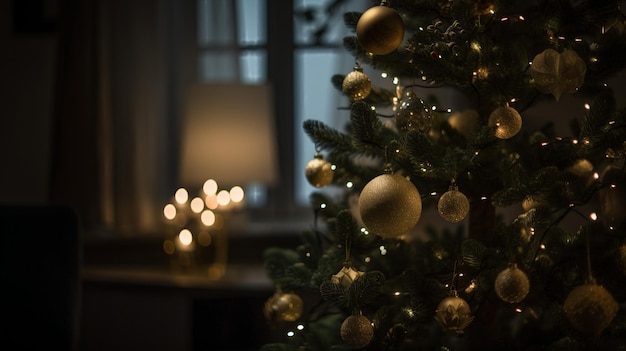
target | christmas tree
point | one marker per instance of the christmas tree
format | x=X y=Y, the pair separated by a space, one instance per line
x=527 y=246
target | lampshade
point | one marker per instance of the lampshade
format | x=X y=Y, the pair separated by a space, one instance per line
x=228 y=134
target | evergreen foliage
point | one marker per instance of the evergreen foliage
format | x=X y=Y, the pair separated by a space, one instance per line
x=566 y=190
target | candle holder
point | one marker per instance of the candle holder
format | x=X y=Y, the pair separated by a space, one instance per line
x=196 y=235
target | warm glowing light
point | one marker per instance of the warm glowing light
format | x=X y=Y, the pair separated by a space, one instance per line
x=593 y=216
x=349 y=185
x=300 y=327
x=185 y=237
x=207 y=217
x=197 y=205
x=181 y=195
x=322 y=205
x=587 y=107
x=236 y=194
x=169 y=211
x=210 y=187
x=223 y=197
x=211 y=201
x=384 y=75
x=290 y=333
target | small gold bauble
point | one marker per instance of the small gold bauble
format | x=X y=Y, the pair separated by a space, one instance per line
x=283 y=307
x=390 y=205
x=380 y=30
x=357 y=331
x=512 y=285
x=356 y=84
x=454 y=314
x=319 y=172
x=590 y=308
x=453 y=205
x=413 y=114
x=557 y=73
x=507 y=122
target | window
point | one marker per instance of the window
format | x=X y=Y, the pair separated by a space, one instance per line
x=237 y=44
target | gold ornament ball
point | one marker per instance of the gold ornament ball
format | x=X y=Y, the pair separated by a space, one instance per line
x=512 y=285
x=356 y=85
x=590 y=308
x=287 y=307
x=390 y=205
x=454 y=314
x=380 y=30
x=357 y=331
x=319 y=172
x=507 y=122
x=453 y=206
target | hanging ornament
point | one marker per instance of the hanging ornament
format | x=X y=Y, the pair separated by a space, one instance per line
x=357 y=331
x=557 y=73
x=380 y=30
x=390 y=205
x=507 y=122
x=318 y=171
x=356 y=84
x=283 y=307
x=512 y=284
x=613 y=196
x=590 y=308
x=413 y=114
x=465 y=122
x=453 y=205
x=454 y=314
x=346 y=276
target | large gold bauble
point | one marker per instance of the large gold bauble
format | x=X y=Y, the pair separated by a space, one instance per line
x=380 y=30
x=507 y=122
x=454 y=314
x=390 y=205
x=357 y=331
x=557 y=73
x=512 y=285
x=356 y=84
x=319 y=172
x=590 y=308
x=453 y=205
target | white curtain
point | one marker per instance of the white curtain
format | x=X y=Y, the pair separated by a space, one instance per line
x=122 y=70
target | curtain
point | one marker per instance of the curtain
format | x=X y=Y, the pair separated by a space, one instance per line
x=122 y=69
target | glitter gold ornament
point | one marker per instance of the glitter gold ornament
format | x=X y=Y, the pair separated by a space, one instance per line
x=454 y=314
x=356 y=84
x=590 y=308
x=557 y=73
x=318 y=171
x=413 y=114
x=453 y=205
x=283 y=307
x=390 y=205
x=346 y=276
x=506 y=121
x=380 y=30
x=357 y=331
x=512 y=285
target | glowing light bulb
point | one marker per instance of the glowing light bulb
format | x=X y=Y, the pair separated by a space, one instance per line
x=181 y=196
x=207 y=217
x=185 y=237
x=210 y=187
x=223 y=197
x=169 y=211
x=197 y=205
x=236 y=194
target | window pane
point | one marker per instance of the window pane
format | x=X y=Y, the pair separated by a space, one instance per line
x=315 y=98
x=218 y=67
x=304 y=29
x=215 y=25
x=251 y=22
x=253 y=64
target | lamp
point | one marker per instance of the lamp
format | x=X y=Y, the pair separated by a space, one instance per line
x=228 y=137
